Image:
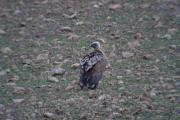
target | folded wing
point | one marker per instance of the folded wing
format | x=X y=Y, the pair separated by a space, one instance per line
x=92 y=67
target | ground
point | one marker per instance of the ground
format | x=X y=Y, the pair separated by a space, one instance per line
x=140 y=37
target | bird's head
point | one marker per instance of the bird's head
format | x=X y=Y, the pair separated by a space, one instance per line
x=95 y=45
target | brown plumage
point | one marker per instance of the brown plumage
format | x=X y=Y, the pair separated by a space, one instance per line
x=92 y=67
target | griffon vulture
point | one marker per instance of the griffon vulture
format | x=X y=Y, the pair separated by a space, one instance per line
x=92 y=67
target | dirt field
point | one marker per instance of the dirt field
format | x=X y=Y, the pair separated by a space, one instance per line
x=140 y=37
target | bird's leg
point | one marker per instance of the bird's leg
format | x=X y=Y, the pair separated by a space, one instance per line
x=81 y=85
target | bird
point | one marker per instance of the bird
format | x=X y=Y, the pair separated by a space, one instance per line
x=92 y=67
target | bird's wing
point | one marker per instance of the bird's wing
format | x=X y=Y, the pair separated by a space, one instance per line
x=96 y=73
x=88 y=61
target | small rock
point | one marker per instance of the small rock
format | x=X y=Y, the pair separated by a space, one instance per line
x=19 y=90
x=40 y=104
x=10 y=84
x=164 y=58
x=74 y=15
x=172 y=30
x=52 y=79
x=120 y=82
x=22 y=24
x=152 y=93
x=49 y=115
x=128 y=72
x=115 y=115
x=167 y=36
x=156 y=18
x=2 y=107
x=75 y=65
x=138 y=36
x=147 y=56
x=157 y=60
x=133 y=44
x=109 y=17
x=45 y=86
x=22 y=90
x=18 y=100
x=96 y=6
x=140 y=19
x=27 y=61
x=3 y=73
x=17 y=12
x=119 y=77
x=84 y=116
x=6 y=50
x=66 y=29
x=79 y=23
x=57 y=71
x=2 y=32
x=104 y=97
x=13 y=79
x=173 y=47
x=159 y=24
x=127 y=54
x=128 y=5
x=45 y=1
x=114 y=6
x=8 y=70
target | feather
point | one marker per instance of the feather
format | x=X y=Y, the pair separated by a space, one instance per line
x=91 y=59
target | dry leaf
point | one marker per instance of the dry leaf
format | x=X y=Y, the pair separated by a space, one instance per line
x=133 y=44
x=57 y=71
x=159 y=24
x=143 y=6
x=66 y=29
x=167 y=36
x=18 y=100
x=72 y=36
x=19 y=90
x=147 y=56
x=138 y=36
x=74 y=15
x=114 y=6
x=80 y=23
x=128 y=72
x=75 y=65
x=52 y=79
x=156 y=18
x=127 y=54
x=6 y=50
x=49 y=115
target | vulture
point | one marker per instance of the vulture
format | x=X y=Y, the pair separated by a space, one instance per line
x=92 y=67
